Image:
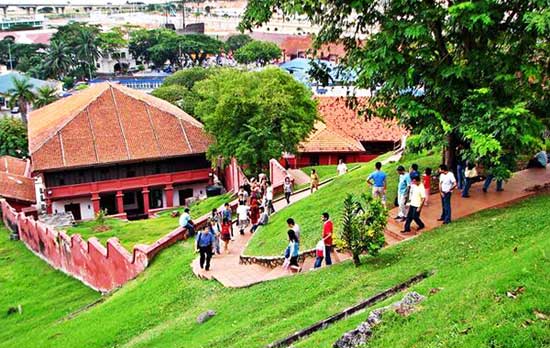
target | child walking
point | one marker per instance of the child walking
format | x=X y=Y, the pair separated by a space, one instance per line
x=427 y=184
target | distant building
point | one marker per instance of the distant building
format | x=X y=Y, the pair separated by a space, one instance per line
x=114 y=148
x=16 y=186
x=6 y=84
x=302 y=47
x=345 y=135
x=116 y=63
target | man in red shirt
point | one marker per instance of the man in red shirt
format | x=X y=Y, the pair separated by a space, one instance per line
x=327 y=237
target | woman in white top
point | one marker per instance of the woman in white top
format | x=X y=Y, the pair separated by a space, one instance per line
x=287 y=189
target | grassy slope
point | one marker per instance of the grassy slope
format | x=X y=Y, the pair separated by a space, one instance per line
x=44 y=294
x=145 y=231
x=475 y=265
x=271 y=239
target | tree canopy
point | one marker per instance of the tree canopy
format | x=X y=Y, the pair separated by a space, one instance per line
x=468 y=74
x=13 y=137
x=254 y=116
x=259 y=52
x=234 y=42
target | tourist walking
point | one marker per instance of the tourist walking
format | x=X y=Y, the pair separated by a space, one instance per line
x=314 y=180
x=489 y=179
x=227 y=215
x=226 y=234
x=292 y=251
x=262 y=220
x=242 y=216
x=342 y=168
x=254 y=209
x=470 y=173
x=293 y=226
x=319 y=253
x=447 y=183
x=427 y=180
x=214 y=229
x=287 y=189
x=377 y=180
x=203 y=245
x=269 y=198
x=327 y=237
x=402 y=188
x=242 y=196
x=413 y=171
x=185 y=222
x=417 y=199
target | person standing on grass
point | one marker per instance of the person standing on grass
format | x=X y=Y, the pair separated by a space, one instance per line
x=413 y=171
x=287 y=189
x=185 y=222
x=427 y=181
x=377 y=180
x=227 y=214
x=470 y=173
x=262 y=220
x=342 y=168
x=447 y=183
x=314 y=180
x=402 y=188
x=226 y=234
x=327 y=237
x=292 y=251
x=293 y=226
x=203 y=245
x=417 y=197
x=269 y=198
x=242 y=215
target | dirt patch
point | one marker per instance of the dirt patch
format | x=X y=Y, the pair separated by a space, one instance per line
x=539 y=189
x=102 y=228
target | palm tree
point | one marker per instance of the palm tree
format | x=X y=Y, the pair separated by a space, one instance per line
x=87 y=50
x=58 y=59
x=22 y=95
x=46 y=95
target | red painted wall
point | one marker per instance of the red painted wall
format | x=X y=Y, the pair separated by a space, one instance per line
x=304 y=160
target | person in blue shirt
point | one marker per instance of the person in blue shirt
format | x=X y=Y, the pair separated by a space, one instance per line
x=292 y=251
x=402 y=190
x=377 y=180
x=185 y=222
x=203 y=245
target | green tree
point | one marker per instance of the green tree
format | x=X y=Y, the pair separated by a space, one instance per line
x=234 y=42
x=21 y=94
x=424 y=59
x=44 y=96
x=195 y=48
x=87 y=50
x=13 y=137
x=363 y=223
x=254 y=116
x=259 y=52
x=111 y=42
x=58 y=61
x=171 y=94
x=188 y=77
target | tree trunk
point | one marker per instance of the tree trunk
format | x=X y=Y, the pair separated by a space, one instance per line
x=450 y=152
x=23 y=110
x=356 y=259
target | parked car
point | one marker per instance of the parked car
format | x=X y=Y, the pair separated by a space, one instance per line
x=15 y=110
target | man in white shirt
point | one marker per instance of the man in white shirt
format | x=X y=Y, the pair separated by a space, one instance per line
x=341 y=168
x=417 y=197
x=447 y=183
x=269 y=198
x=294 y=226
x=242 y=214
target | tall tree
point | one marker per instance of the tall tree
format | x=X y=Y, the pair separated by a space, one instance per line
x=428 y=61
x=44 y=96
x=21 y=94
x=234 y=42
x=254 y=116
x=87 y=50
x=111 y=42
x=259 y=52
x=13 y=137
x=58 y=61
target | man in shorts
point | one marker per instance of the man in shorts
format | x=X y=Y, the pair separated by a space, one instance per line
x=377 y=180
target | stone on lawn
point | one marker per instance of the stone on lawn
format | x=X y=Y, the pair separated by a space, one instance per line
x=205 y=316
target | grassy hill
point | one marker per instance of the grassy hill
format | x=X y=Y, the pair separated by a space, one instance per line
x=475 y=259
x=272 y=239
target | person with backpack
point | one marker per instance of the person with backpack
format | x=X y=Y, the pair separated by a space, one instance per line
x=203 y=245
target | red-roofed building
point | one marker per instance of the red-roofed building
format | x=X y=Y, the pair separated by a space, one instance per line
x=301 y=47
x=345 y=135
x=114 y=148
x=15 y=184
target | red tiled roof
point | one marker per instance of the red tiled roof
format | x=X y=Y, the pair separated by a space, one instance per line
x=324 y=139
x=296 y=44
x=13 y=165
x=109 y=123
x=339 y=117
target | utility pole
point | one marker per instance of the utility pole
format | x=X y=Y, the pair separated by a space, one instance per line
x=9 y=55
x=183 y=15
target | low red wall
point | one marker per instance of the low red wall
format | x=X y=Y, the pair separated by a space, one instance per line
x=102 y=268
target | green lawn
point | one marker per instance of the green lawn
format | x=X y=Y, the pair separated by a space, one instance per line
x=475 y=259
x=271 y=239
x=147 y=231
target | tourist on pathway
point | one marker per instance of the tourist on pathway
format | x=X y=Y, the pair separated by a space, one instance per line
x=185 y=222
x=413 y=171
x=254 y=209
x=293 y=226
x=427 y=179
x=447 y=183
x=214 y=229
x=540 y=160
x=226 y=234
x=242 y=196
x=319 y=253
x=327 y=237
x=470 y=173
x=460 y=169
x=262 y=220
x=242 y=216
x=203 y=245
x=269 y=198
x=292 y=251
x=377 y=180
x=402 y=188
x=227 y=214
x=342 y=168
x=417 y=198
x=287 y=189
x=314 y=180
x=489 y=180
